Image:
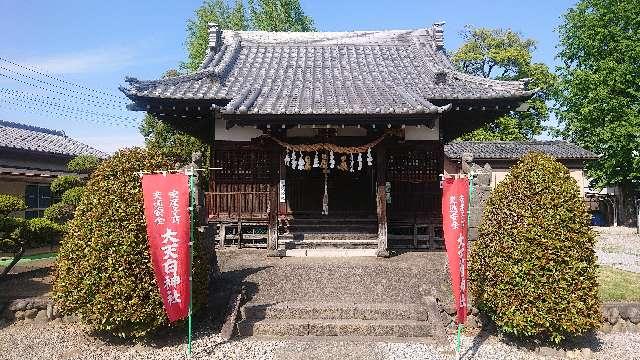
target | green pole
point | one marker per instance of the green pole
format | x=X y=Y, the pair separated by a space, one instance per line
x=191 y=241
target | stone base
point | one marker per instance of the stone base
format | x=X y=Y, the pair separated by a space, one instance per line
x=382 y=253
x=276 y=253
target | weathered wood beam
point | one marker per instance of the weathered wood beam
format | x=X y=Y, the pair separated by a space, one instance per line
x=381 y=201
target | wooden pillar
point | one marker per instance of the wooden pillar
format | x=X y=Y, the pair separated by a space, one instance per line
x=381 y=200
x=275 y=209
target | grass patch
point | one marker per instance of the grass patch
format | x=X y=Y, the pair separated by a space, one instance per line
x=29 y=258
x=618 y=285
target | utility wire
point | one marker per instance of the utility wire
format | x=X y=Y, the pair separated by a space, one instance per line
x=60 y=80
x=13 y=72
x=84 y=99
x=20 y=95
x=36 y=110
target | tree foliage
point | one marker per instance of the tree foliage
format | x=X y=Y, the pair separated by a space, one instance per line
x=83 y=164
x=104 y=271
x=533 y=268
x=503 y=54
x=599 y=91
x=268 y=15
x=17 y=233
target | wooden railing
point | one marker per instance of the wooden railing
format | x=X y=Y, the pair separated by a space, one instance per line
x=240 y=205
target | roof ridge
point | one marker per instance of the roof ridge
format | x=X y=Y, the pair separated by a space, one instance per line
x=32 y=128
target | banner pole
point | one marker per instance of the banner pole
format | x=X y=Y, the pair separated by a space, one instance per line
x=191 y=241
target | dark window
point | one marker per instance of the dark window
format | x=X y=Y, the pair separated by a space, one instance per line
x=38 y=198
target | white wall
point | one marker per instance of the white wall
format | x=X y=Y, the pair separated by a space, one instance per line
x=236 y=133
x=421 y=133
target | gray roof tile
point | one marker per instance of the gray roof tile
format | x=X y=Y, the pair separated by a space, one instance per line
x=33 y=138
x=397 y=71
x=512 y=150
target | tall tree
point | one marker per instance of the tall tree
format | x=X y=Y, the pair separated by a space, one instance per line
x=598 y=98
x=279 y=15
x=268 y=15
x=503 y=54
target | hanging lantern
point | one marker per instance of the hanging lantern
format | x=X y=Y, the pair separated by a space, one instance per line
x=293 y=160
x=351 y=163
x=301 y=162
x=316 y=163
x=359 y=161
x=332 y=161
x=369 y=157
x=287 y=159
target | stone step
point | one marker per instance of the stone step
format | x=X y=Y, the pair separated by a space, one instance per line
x=331 y=252
x=371 y=243
x=334 y=228
x=335 y=327
x=328 y=237
x=334 y=310
x=333 y=221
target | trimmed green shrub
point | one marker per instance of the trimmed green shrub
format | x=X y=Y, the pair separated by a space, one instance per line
x=72 y=196
x=63 y=183
x=104 y=272
x=533 y=268
x=59 y=213
x=41 y=232
x=83 y=164
x=11 y=233
x=10 y=204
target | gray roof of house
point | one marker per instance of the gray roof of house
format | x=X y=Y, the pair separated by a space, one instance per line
x=364 y=72
x=32 y=138
x=512 y=150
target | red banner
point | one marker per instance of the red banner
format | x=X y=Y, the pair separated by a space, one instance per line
x=166 y=209
x=455 y=206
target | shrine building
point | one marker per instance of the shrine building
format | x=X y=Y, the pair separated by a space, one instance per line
x=327 y=139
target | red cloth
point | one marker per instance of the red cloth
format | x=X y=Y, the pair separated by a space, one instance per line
x=455 y=206
x=166 y=209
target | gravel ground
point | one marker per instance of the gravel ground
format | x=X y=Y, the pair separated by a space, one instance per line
x=63 y=341
x=619 y=248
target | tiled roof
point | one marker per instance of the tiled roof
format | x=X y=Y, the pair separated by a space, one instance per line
x=366 y=72
x=511 y=150
x=33 y=138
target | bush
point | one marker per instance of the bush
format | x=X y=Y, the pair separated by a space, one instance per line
x=63 y=183
x=41 y=231
x=533 y=269
x=11 y=233
x=104 y=271
x=59 y=213
x=73 y=196
x=10 y=204
x=83 y=164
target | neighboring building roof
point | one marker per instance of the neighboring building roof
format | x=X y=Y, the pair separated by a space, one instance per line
x=513 y=150
x=32 y=138
x=359 y=72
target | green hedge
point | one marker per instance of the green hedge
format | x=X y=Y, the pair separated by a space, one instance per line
x=104 y=271
x=533 y=268
x=59 y=213
x=10 y=204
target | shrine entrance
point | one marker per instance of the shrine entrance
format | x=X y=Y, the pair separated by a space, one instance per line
x=349 y=194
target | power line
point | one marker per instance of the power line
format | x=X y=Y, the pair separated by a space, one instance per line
x=20 y=96
x=13 y=72
x=60 y=115
x=58 y=79
x=84 y=99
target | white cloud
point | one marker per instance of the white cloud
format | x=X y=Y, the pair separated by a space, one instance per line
x=92 y=60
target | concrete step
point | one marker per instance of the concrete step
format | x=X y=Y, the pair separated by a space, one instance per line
x=334 y=310
x=333 y=221
x=335 y=327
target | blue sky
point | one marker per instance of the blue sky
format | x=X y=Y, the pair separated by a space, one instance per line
x=98 y=43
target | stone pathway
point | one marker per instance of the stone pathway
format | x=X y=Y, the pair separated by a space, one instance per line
x=64 y=341
x=619 y=248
